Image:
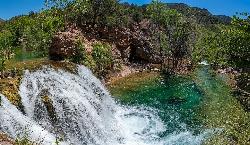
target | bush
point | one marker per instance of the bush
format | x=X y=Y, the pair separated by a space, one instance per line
x=23 y=141
x=102 y=55
x=99 y=61
x=80 y=55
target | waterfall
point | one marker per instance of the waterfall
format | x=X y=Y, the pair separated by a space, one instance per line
x=79 y=110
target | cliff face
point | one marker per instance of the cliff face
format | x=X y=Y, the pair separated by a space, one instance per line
x=224 y=19
x=135 y=42
x=131 y=44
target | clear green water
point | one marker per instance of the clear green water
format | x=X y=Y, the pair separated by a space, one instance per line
x=177 y=100
x=202 y=101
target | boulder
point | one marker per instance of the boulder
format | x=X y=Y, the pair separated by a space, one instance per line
x=133 y=43
x=142 y=48
x=64 y=44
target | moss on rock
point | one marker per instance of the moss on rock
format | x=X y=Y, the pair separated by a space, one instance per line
x=9 y=87
x=10 y=82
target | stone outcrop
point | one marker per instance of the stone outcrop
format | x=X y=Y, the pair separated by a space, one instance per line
x=131 y=44
x=64 y=43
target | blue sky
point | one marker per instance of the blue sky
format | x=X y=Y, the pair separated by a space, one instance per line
x=10 y=8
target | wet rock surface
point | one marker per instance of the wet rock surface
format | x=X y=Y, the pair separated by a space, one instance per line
x=5 y=140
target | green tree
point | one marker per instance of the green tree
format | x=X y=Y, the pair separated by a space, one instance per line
x=31 y=34
x=172 y=31
x=83 y=12
x=226 y=46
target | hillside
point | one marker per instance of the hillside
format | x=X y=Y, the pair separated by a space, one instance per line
x=201 y=16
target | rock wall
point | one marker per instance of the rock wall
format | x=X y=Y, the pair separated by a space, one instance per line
x=64 y=43
x=132 y=44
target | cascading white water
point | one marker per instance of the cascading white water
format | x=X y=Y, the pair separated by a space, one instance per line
x=78 y=109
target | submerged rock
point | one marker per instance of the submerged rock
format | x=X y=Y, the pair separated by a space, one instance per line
x=176 y=100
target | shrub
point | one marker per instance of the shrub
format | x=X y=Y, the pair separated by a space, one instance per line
x=80 y=54
x=23 y=141
x=82 y=57
x=102 y=55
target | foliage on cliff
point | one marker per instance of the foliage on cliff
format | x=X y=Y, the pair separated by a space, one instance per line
x=153 y=33
x=226 y=45
x=200 y=15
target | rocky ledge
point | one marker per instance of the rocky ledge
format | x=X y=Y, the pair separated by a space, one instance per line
x=5 y=140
